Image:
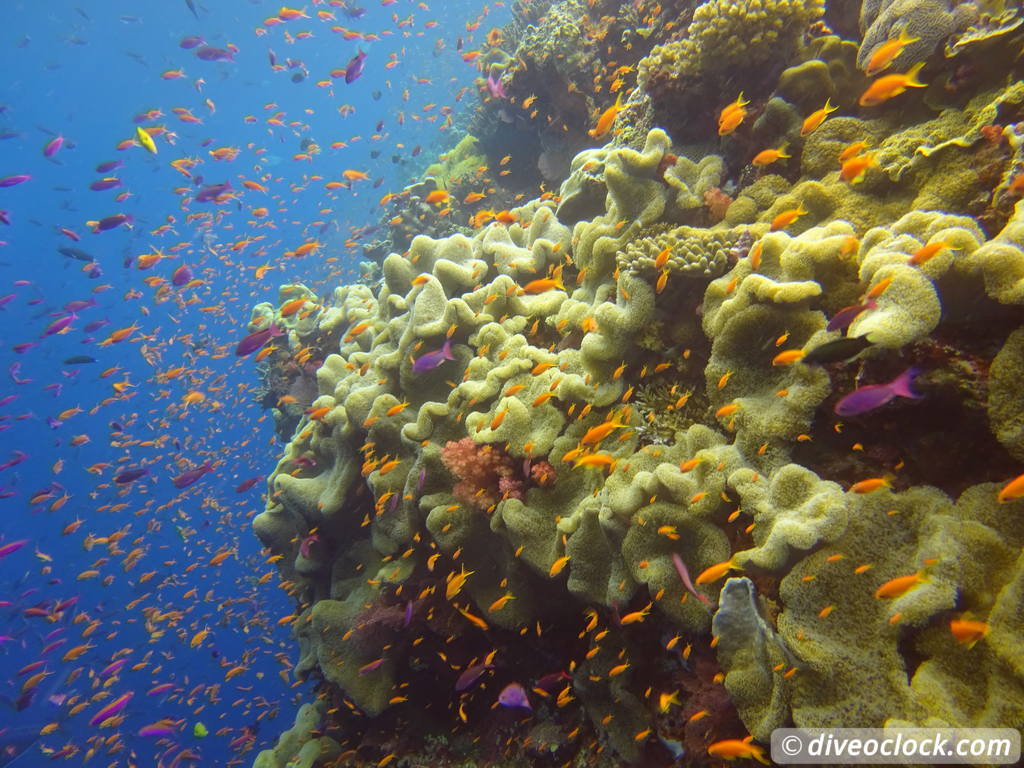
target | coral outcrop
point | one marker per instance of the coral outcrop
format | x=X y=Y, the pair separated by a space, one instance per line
x=695 y=437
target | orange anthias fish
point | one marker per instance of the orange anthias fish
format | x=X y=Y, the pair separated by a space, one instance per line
x=816 y=118
x=544 y=285
x=885 y=88
x=769 y=156
x=730 y=749
x=715 y=572
x=607 y=118
x=886 y=53
x=853 y=169
x=1012 y=491
x=968 y=631
x=730 y=117
x=786 y=218
x=923 y=254
x=899 y=586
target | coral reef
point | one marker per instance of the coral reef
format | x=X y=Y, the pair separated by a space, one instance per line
x=694 y=448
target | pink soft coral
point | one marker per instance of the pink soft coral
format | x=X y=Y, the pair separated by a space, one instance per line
x=487 y=474
x=717 y=203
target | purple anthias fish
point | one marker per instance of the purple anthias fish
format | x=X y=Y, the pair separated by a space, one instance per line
x=112 y=709
x=53 y=146
x=842 y=319
x=256 y=339
x=59 y=324
x=181 y=275
x=130 y=476
x=245 y=485
x=10 y=181
x=514 y=695
x=684 y=576
x=185 y=479
x=108 y=166
x=209 y=53
x=211 y=192
x=110 y=222
x=5 y=217
x=355 y=67
x=77 y=305
x=432 y=360
x=192 y=41
x=865 y=399
x=14 y=546
x=470 y=675
x=108 y=182
x=95 y=325
x=112 y=668
x=157 y=730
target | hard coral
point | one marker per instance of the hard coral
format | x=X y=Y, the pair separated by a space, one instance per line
x=726 y=35
x=728 y=41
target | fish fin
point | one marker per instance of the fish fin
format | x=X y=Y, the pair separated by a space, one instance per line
x=912 y=73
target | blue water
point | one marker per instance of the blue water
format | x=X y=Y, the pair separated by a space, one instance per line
x=84 y=71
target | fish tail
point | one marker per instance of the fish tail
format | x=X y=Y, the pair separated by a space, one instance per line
x=904 y=39
x=902 y=385
x=912 y=80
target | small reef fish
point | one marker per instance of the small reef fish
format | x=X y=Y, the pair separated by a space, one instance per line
x=514 y=696
x=470 y=675
x=842 y=319
x=144 y=138
x=786 y=218
x=130 y=476
x=885 y=88
x=731 y=749
x=354 y=68
x=730 y=118
x=431 y=360
x=607 y=119
x=886 y=53
x=1012 y=491
x=187 y=478
x=853 y=169
x=868 y=398
x=899 y=586
x=837 y=351
x=12 y=547
x=181 y=276
x=816 y=118
x=925 y=253
x=769 y=156
x=209 y=53
x=257 y=339
x=112 y=709
x=968 y=631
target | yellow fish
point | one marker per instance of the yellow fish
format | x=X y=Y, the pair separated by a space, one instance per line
x=143 y=137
